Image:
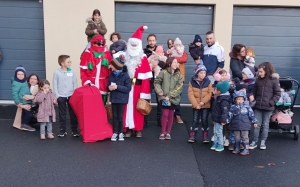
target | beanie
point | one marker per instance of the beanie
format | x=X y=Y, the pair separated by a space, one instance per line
x=223 y=87
x=240 y=86
x=118 y=62
x=200 y=68
x=20 y=68
x=159 y=49
x=248 y=73
x=197 y=39
x=177 y=42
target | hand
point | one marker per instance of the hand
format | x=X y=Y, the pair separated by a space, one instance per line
x=19 y=105
x=198 y=107
x=161 y=94
x=197 y=61
x=26 y=107
x=113 y=51
x=167 y=98
x=201 y=103
x=115 y=86
x=54 y=101
x=251 y=98
x=255 y=125
x=95 y=31
x=111 y=88
x=223 y=124
x=28 y=97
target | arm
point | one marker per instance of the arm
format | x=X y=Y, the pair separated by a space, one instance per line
x=178 y=88
x=157 y=82
x=192 y=97
x=225 y=109
x=89 y=31
x=39 y=98
x=251 y=115
x=236 y=72
x=126 y=87
x=207 y=97
x=193 y=54
x=229 y=116
x=102 y=30
x=276 y=92
x=85 y=59
x=220 y=57
x=183 y=59
x=74 y=81
x=55 y=85
x=15 y=94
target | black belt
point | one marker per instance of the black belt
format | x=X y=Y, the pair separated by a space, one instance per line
x=135 y=81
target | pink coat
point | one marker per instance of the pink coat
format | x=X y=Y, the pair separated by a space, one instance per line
x=46 y=106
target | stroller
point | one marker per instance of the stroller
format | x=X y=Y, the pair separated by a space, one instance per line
x=281 y=119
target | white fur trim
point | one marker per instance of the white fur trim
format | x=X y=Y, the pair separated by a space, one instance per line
x=87 y=82
x=145 y=96
x=144 y=76
x=129 y=121
x=98 y=67
x=83 y=67
x=145 y=27
x=103 y=93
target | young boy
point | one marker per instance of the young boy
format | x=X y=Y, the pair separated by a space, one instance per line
x=240 y=117
x=196 y=50
x=19 y=89
x=64 y=84
x=219 y=113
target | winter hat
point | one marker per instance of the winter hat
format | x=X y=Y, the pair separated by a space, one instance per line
x=239 y=94
x=20 y=68
x=159 y=48
x=248 y=73
x=197 y=39
x=118 y=62
x=240 y=86
x=223 y=87
x=177 y=42
x=139 y=32
x=200 y=68
x=170 y=40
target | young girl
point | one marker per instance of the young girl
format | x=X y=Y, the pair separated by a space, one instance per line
x=119 y=85
x=168 y=86
x=266 y=92
x=118 y=44
x=46 y=114
x=95 y=25
x=177 y=50
x=199 y=93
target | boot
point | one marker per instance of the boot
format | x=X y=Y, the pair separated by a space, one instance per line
x=192 y=137
x=205 y=137
x=237 y=148
x=246 y=150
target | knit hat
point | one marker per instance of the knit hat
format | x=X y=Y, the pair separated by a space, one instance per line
x=248 y=73
x=200 y=68
x=118 y=62
x=139 y=32
x=177 y=42
x=159 y=49
x=197 y=39
x=223 y=87
x=20 y=68
x=240 y=86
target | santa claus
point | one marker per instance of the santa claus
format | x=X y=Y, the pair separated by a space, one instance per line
x=140 y=73
x=94 y=65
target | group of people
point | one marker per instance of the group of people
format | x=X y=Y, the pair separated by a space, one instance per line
x=125 y=73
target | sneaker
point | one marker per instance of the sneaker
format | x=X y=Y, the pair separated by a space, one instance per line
x=253 y=145
x=205 y=137
x=214 y=146
x=50 y=136
x=178 y=119
x=231 y=147
x=75 y=134
x=121 y=137
x=192 y=137
x=168 y=136
x=138 y=134
x=162 y=136
x=219 y=148
x=263 y=145
x=226 y=142
x=114 y=137
x=43 y=137
x=62 y=134
x=27 y=128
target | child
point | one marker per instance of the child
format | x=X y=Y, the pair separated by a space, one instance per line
x=160 y=53
x=177 y=50
x=196 y=50
x=248 y=78
x=221 y=76
x=95 y=25
x=118 y=45
x=119 y=85
x=219 y=113
x=64 y=84
x=240 y=118
x=199 y=93
x=46 y=114
x=168 y=86
x=19 y=90
x=266 y=92
x=249 y=60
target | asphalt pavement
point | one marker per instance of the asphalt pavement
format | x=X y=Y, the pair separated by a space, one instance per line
x=26 y=160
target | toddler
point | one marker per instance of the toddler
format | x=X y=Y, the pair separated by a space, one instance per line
x=196 y=50
x=177 y=50
x=118 y=45
x=249 y=60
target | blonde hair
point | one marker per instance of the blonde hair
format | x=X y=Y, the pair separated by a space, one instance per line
x=250 y=49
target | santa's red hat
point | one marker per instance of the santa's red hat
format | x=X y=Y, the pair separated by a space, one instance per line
x=139 y=32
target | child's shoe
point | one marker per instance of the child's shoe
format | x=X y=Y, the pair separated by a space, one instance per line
x=162 y=136
x=263 y=145
x=192 y=138
x=168 y=136
x=121 y=137
x=214 y=146
x=50 y=136
x=237 y=148
x=62 y=134
x=231 y=147
x=226 y=142
x=253 y=145
x=219 y=148
x=246 y=150
x=114 y=137
x=43 y=137
x=205 y=137
x=27 y=128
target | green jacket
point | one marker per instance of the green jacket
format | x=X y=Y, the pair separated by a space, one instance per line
x=19 y=90
x=170 y=84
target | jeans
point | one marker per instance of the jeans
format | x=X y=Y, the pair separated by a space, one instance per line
x=62 y=106
x=167 y=120
x=200 y=114
x=177 y=110
x=218 y=134
x=49 y=126
x=117 y=110
x=26 y=117
x=263 y=120
x=241 y=134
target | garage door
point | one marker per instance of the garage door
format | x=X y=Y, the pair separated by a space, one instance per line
x=166 y=21
x=21 y=40
x=275 y=35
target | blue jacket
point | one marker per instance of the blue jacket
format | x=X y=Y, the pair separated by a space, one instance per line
x=213 y=58
x=240 y=117
x=121 y=94
x=119 y=45
x=221 y=107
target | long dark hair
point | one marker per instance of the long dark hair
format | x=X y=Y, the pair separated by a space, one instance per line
x=28 y=79
x=169 y=62
x=268 y=68
x=236 y=49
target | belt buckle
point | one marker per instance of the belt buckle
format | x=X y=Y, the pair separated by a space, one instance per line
x=133 y=81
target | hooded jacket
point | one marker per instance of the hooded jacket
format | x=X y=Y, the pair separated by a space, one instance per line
x=119 y=45
x=236 y=67
x=46 y=106
x=89 y=31
x=200 y=92
x=213 y=58
x=20 y=89
x=196 y=51
x=221 y=108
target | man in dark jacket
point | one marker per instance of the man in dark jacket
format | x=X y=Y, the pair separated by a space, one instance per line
x=151 y=47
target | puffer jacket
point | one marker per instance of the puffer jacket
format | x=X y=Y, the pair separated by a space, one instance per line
x=119 y=45
x=266 y=92
x=46 y=106
x=221 y=108
x=170 y=84
x=196 y=51
x=236 y=67
x=148 y=51
x=200 y=92
x=18 y=91
x=89 y=31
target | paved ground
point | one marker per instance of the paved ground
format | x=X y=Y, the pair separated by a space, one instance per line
x=27 y=161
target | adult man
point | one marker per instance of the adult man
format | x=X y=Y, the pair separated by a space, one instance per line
x=140 y=73
x=181 y=60
x=213 y=58
x=151 y=47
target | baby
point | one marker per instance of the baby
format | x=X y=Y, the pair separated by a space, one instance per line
x=249 y=60
x=196 y=50
x=177 y=50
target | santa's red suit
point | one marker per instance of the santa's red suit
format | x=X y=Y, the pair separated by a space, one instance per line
x=140 y=73
x=94 y=65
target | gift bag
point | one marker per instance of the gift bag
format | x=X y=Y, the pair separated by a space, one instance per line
x=88 y=106
x=17 y=121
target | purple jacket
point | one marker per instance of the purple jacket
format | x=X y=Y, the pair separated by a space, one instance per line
x=46 y=106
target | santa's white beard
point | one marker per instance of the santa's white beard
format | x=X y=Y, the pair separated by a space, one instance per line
x=133 y=55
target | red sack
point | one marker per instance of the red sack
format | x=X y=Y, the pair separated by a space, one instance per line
x=91 y=113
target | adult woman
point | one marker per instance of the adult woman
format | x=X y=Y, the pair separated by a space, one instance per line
x=95 y=25
x=32 y=81
x=237 y=57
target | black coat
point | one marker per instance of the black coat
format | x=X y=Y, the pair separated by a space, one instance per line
x=266 y=92
x=196 y=51
x=221 y=108
x=236 y=67
x=121 y=94
x=149 y=52
x=119 y=45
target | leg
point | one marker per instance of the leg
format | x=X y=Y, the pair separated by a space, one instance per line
x=177 y=114
x=237 y=137
x=259 y=116
x=219 y=137
x=120 y=117
x=62 y=102
x=170 y=120
x=215 y=144
x=25 y=119
x=114 y=108
x=194 y=127
x=164 y=120
x=204 y=116
x=158 y=111
x=265 y=124
x=42 y=130
x=245 y=138
x=73 y=118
